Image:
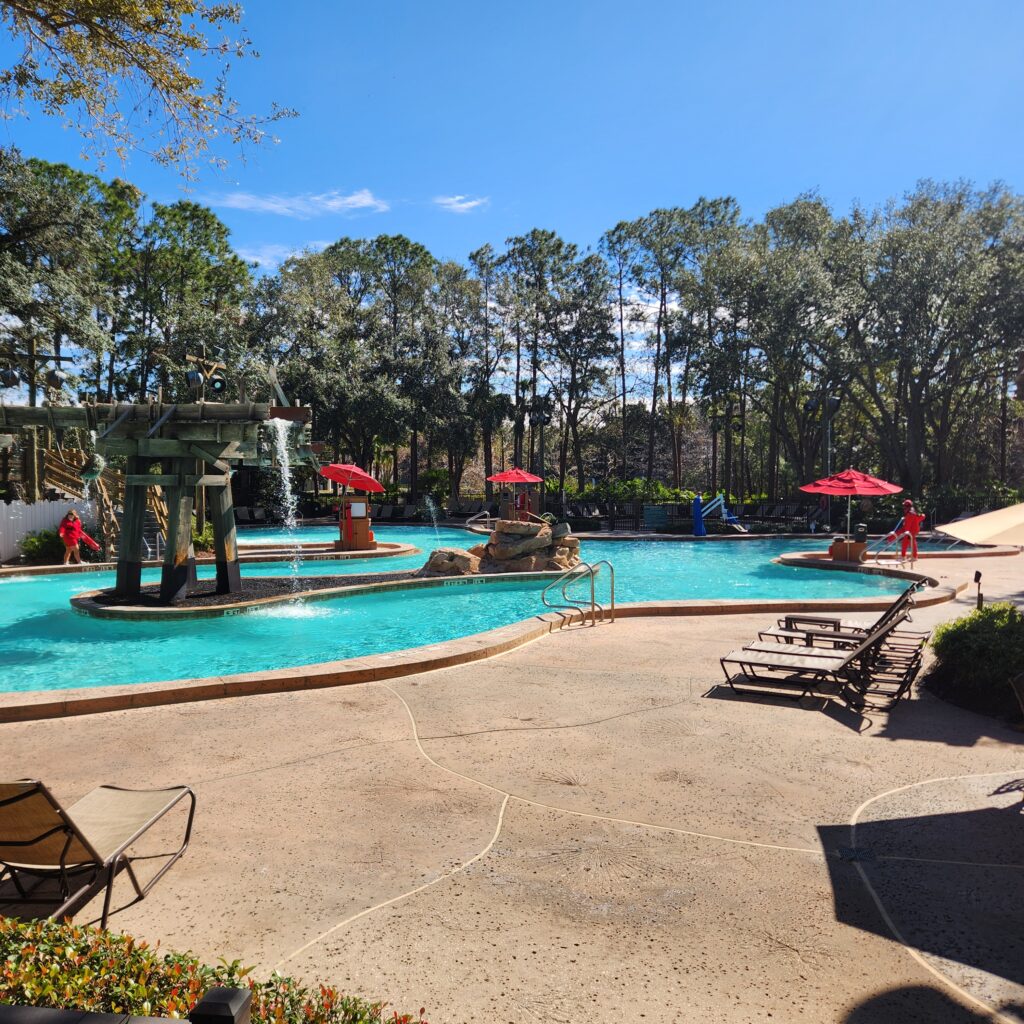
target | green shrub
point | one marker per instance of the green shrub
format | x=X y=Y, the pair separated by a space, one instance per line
x=202 y=540
x=976 y=656
x=435 y=482
x=68 y=966
x=42 y=547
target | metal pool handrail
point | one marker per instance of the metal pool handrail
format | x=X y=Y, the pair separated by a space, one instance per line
x=483 y=516
x=581 y=570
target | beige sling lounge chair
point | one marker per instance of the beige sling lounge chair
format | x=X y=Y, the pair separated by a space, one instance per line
x=82 y=847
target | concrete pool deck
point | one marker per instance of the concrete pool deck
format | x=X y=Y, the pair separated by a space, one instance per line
x=588 y=828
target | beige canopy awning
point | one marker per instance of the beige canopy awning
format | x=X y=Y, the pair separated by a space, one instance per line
x=1004 y=526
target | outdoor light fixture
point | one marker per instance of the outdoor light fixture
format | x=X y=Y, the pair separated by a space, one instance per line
x=218 y=382
x=206 y=372
x=981 y=596
x=9 y=378
x=55 y=378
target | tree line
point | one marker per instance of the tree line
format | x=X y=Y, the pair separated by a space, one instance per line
x=693 y=348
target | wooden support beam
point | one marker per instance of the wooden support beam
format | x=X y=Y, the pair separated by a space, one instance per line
x=151 y=480
x=31 y=468
x=179 y=560
x=225 y=549
x=129 y=547
x=173 y=480
x=216 y=460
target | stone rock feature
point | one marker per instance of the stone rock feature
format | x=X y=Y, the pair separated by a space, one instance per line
x=451 y=562
x=512 y=547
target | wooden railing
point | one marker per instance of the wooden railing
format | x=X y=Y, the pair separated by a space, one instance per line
x=62 y=470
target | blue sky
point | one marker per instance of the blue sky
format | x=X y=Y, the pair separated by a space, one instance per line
x=458 y=123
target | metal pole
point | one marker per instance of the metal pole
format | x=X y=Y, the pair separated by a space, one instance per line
x=828 y=450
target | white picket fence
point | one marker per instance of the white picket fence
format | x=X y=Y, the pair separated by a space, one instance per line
x=18 y=519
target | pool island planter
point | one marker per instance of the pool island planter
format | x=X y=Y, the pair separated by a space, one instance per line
x=311 y=552
x=86 y=603
x=42 y=704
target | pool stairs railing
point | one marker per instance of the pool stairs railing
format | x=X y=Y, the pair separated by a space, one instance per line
x=482 y=518
x=563 y=601
x=885 y=545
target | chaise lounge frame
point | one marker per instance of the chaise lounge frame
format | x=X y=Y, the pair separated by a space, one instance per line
x=49 y=844
x=787 y=667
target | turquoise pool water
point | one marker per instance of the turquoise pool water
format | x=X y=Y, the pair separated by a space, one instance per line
x=44 y=645
x=419 y=535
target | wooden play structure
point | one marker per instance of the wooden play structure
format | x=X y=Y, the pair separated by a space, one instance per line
x=170 y=451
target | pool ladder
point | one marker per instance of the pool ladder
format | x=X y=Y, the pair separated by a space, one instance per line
x=580 y=571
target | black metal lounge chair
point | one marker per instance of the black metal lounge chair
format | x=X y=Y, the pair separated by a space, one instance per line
x=259 y=514
x=804 y=672
x=385 y=513
x=82 y=847
x=242 y=515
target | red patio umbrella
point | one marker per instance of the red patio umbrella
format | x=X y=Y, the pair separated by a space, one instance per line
x=851 y=482
x=515 y=476
x=348 y=475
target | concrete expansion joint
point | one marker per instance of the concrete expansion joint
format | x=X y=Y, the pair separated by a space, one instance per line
x=853 y=854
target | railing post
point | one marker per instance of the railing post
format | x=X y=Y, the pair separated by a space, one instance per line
x=223 y=1006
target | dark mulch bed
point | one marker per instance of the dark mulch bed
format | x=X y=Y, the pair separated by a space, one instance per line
x=205 y=596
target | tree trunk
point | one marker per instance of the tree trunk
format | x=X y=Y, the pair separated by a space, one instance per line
x=773 y=444
x=488 y=441
x=622 y=376
x=654 y=403
x=414 y=468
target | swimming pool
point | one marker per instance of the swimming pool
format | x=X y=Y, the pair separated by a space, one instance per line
x=45 y=645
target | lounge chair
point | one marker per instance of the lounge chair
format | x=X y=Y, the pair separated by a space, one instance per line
x=242 y=515
x=84 y=845
x=384 y=514
x=776 y=666
x=822 y=630
x=259 y=514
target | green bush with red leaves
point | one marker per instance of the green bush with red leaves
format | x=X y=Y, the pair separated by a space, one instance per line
x=68 y=966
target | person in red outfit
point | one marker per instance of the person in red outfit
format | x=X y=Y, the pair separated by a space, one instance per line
x=907 y=529
x=72 y=534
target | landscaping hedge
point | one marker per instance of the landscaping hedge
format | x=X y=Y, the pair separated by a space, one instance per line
x=69 y=966
x=976 y=656
x=44 y=547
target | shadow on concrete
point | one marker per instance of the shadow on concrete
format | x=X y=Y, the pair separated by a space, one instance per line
x=934 y=721
x=913 y=1004
x=834 y=709
x=970 y=913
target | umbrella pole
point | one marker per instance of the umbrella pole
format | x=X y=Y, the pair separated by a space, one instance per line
x=849 y=501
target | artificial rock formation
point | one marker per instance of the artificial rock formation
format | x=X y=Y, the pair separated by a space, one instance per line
x=511 y=547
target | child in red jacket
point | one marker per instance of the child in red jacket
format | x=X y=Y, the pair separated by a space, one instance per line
x=907 y=529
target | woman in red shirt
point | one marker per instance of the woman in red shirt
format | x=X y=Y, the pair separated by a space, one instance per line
x=72 y=534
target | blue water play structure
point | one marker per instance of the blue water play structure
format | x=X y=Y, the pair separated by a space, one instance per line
x=702 y=511
x=699 y=529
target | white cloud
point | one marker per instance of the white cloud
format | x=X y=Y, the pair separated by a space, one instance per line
x=460 y=204
x=273 y=254
x=306 y=205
